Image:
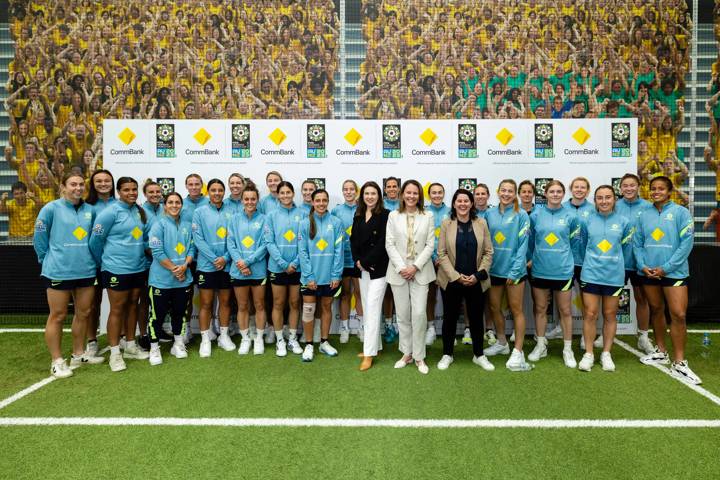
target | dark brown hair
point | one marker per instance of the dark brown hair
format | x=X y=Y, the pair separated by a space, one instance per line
x=420 y=204
x=362 y=206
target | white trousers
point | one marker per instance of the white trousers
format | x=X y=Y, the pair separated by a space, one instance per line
x=411 y=308
x=372 y=293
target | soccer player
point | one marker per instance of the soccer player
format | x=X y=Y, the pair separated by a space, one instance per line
x=440 y=212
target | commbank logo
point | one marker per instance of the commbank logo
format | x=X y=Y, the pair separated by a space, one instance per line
x=202 y=136
x=277 y=137
x=127 y=136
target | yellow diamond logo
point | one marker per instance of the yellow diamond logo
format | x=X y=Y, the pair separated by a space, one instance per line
x=136 y=233
x=277 y=136
x=221 y=232
x=604 y=246
x=289 y=235
x=321 y=244
x=504 y=136
x=248 y=241
x=79 y=233
x=437 y=232
x=180 y=248
x=551 y=239
x=657 y=234
x=428 y=137
x=353 y=137
x=349 y=230
x=499 y=238
x=581 y=136
x=202 y=136
x=127 y=136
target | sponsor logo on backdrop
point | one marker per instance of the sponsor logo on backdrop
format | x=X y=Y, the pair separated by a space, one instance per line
x=540 y=185
x=544 y=140
x=353 y=137
x=620 y=139
x=428 y=137
x=165 y=140
x=316 y=141
x=167 y=185
x=277 y=137
x=202 y=136
x=616 y=186
x=391 y=141
x=467 y=140
x=581 y=136
x=318 y=181
x=505 y=138
x=467 y=183
x=127 y=137
x=240 y=140
x=623 y=311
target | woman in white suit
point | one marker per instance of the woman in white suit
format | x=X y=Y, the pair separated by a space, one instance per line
x=410 y=241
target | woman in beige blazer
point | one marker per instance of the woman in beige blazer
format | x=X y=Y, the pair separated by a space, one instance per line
x=465 y=255
x=410 y=241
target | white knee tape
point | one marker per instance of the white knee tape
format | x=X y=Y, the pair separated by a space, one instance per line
x=308 y=314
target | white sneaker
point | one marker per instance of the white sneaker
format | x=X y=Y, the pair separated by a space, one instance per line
x=422 y=367
x=444 y=362
x=245 y=345
x=122 y=344
x=328 y=349
x=85 y=359
x=155 y=355
x=489 y=336
x=117 y=364
x=517 y=363
x=280 y=348
x=540 y=350
x=497 y=349
x=599 y=341
x=586 y=362
x=430 y=336
x=178 y=350
x=60 y=369
x=484 y=363
x=225 y=343
x=644 y=344
x=403 y=362
x=258 y=346
x=135 y=353
x=308 y=353
x=205 y=348
x=467 y=338
x=344 y=335
x=294 y=346
x=269 y=335
x=656 y=357
x=211 y=334
x=682 y=371
x=555 y=333
x=607 y=362
x=569 y=358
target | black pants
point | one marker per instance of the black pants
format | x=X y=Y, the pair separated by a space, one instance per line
x=168 y=300
x=452 y=298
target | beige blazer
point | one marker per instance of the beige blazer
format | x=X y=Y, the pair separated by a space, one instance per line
x=396 y=246
x=447 y=255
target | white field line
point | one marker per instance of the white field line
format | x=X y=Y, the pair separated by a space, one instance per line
x=703 y=331
x=25 y=392
x=27 y=330
x=357 y=422
x=710 y=396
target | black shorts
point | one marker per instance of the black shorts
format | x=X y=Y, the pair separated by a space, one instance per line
x=665 y=282
x=353 y=272
x=576 y=273
x=253 y=282
x=635 y=279
x=598 y=289
x=285 y=279
x=213 y=280
x=547 y=284
x=122 y=282
x=321 y=291
x=68 y=284
x=498 y=281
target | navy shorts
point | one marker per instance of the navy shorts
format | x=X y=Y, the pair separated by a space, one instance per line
x=353 y=272
x=548 y=284
x=285 y=279
x=665 y=282
x=213 y=280
x=250 y=282
x=122 y=282
x=598 y=289
x=635 y=279
x=498 y=281
x=576 y=273
x=321 y=291
x=68 y=284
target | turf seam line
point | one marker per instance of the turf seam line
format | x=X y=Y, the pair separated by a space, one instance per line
x=697 y=388
x=359 y=422
x=29 y=330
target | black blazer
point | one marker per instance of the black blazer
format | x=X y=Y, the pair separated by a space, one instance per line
x=367 y=243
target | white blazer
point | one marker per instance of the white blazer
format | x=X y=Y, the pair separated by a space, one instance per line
x=396 y=246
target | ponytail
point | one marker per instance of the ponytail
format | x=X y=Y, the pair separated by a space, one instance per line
x=313 y=228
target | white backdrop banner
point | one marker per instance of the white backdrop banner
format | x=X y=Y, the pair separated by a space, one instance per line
x=452 y=152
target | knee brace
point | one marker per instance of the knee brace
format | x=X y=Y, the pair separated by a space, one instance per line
x=308 y=312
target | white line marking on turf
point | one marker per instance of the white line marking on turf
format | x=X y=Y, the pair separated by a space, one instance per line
x=710 y=396
x=27 y=330
x=357 y=422
x=25 y=392
x=703 y=331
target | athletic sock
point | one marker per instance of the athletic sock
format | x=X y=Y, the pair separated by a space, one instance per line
x=115 y=350
x=388 y=320
x=323 y=340
x=345 y=324
x=293 y=333
x=205 y=335
x=278 y=335
x=244 y=333
x=179 y=339
x=568 y=344
x=129 y=344
x=643 y=333
x=224 y=330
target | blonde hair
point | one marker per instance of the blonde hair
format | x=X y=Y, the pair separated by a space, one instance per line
x=580 y=179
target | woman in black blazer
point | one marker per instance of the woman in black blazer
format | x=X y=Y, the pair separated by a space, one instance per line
x=367 y=243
